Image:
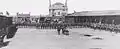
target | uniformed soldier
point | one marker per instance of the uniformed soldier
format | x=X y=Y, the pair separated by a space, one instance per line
x=58 y=29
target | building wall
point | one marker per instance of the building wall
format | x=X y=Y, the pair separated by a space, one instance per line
x=58 y=10
x=108 y=19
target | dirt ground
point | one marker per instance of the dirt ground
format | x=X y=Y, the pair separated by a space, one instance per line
x=31 y=38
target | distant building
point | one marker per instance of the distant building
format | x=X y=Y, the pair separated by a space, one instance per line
x=106 y=16
x=23 y=14
x=58 y=9
x=25 y=18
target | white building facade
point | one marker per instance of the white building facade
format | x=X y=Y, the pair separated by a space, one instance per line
x=58 y=9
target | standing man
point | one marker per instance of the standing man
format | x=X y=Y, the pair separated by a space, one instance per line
x=58 y=29
x=59 y=26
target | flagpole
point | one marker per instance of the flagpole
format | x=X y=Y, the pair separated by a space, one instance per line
x=7 y=13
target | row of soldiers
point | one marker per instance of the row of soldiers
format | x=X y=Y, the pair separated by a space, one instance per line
x=107 y=27
x=100 y=26
x=49 y=25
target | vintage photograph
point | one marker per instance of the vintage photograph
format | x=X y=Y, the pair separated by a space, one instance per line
x=59 y=24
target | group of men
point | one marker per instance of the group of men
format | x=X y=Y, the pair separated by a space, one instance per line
x=63 y=28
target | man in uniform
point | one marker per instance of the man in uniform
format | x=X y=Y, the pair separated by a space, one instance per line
x=58 y=29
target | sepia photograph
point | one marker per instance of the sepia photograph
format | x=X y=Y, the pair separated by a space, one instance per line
x=59 y=24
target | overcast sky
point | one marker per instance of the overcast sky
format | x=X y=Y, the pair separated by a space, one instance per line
x=41 y=6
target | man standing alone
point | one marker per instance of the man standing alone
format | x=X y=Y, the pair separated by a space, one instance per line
x=58 y=29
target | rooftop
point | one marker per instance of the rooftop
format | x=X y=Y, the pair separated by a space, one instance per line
x=58 y=3
x=97 y=13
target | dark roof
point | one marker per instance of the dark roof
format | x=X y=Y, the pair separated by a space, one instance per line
x=23 y=15
x=58 y=3
x=2 y=16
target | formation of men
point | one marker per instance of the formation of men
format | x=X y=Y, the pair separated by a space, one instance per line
x=93 y=25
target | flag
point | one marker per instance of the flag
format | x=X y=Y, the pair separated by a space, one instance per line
x=7 y=13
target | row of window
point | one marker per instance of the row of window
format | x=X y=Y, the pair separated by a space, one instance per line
x=59 y=13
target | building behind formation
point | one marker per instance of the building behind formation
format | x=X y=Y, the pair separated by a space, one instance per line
x=58 y=9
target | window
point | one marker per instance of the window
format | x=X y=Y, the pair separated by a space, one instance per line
x=58 y=13
x=63 y=9
x=54 y=14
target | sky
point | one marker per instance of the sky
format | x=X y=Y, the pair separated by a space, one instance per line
x=37 y=7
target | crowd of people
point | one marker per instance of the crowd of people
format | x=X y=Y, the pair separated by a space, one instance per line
x=100 y=26
x=6 y=28
x=107 y=27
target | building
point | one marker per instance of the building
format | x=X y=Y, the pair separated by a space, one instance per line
x=26 y=18
x=58 y=9
x=101 y=17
